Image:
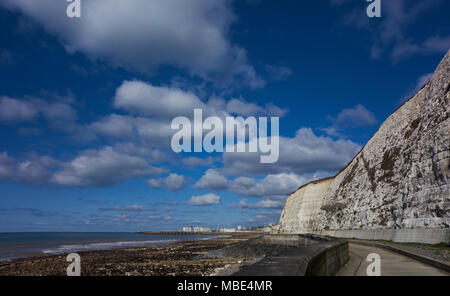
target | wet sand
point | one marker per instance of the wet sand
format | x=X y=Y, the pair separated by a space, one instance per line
x=179 y=259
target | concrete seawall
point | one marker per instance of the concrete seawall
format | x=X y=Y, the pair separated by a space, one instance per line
x=426 y=236
x=329 y=260
x=307 y=255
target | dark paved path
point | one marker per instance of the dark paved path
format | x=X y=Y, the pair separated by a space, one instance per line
x=391 y=264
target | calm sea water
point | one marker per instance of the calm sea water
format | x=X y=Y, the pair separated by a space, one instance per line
x=26 y=244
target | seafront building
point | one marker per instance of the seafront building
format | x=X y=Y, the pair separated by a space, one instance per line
x=201 y=229
x=227 y=230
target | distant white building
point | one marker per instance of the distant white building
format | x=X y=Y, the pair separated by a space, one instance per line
x=187 y=229
x=227 y=230
x=201 y=229
x=240 y=227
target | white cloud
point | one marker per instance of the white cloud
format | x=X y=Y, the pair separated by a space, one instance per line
x=204 y=200
x=304 y=153
x=241 y=107
x=269 y=186
x=96 y=168
x=59 y=114
x=175 y=182
x=16 y=110
x=152 y=155
x=114 y=126
x=34 y=169
x=167 y=102
x=213 y=180
x=272 y=185
x=142 y=35
x=350 y=117
x=356 y=116
x=143 y=98
x=154 y=132
x=267 y=203
x=154 y=183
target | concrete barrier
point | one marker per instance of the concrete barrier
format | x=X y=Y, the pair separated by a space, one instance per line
x=329 y=260
x=293 y=239
x=417 y=235
x=307 y=255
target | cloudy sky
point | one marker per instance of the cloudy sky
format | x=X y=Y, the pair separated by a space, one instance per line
x=86 y=104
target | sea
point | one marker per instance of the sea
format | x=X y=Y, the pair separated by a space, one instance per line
x=27 y=244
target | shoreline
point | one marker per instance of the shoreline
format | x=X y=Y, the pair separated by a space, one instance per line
x=188 y=258
x=28 y=249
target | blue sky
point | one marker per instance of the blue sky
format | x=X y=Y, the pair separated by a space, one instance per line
x=86 y=104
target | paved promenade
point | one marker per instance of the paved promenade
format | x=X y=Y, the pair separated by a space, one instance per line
x=391 y=264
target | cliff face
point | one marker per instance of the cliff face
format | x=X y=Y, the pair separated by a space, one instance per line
x=399 y=180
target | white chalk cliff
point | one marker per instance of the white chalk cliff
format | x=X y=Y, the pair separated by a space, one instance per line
x=398 y=181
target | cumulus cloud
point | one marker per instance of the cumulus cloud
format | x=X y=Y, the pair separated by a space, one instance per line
x=155 y=183
x=173 y=182
x=154 y=132
x=16 y=110
x=348 y=118
x=213 y=180
x=151 y=155
x=356 y=116
x=154 y=107
x=59 y=114
x=114 y=125
x=143 y=98
x=204 y=200
x=97 y=168
x=271 y=185
x=244 y=108
x=191 y=35
x=34 y=169
x=304 y=153
x=167 y=102
x=267 y=203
